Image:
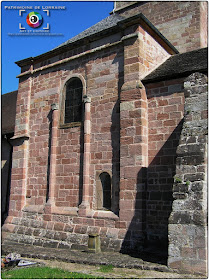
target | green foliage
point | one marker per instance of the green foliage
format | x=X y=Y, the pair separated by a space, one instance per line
x=187 y=183
x=106 y=268
x=44 y=273
x=177 y=180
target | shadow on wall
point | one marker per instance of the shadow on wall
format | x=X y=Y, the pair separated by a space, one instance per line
x=6 y=165
x=115 y=139
x=81 y=157
x=147 y=235
x=81 y=161
x=49 y=152
x=115 y=136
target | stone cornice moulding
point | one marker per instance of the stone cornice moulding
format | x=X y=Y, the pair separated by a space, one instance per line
x=65 y=60
x=142 y=21
x=26 y=136
x=17 y=138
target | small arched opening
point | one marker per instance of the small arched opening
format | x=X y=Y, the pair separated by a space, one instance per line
x=104 y=191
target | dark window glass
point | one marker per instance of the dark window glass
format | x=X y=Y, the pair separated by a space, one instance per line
x=73 y=101
x=106 y=189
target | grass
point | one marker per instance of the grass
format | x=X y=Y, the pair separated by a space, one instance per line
x=44 y=273
x=106 y=268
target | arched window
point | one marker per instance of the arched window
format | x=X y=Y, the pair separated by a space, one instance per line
x=73 y=101
x=104 y=191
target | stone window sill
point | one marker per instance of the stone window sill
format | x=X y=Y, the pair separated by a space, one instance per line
x=34 y=209
x=71 y=211
x=105 y=214
x=68 y=125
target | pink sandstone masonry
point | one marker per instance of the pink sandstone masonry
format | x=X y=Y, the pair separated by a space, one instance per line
x=129 y=131
x=187 y=20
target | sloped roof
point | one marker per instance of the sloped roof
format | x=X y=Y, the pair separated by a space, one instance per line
x=112 y=24
x=180 y=65
x=8 y=109
x=105 y=24
x=113 y=21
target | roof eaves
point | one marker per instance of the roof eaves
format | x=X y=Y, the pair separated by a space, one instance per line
x=139 y=18
x=24 y=61
x=60 y=48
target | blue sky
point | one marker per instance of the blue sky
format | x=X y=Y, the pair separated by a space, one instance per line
x=76 y=17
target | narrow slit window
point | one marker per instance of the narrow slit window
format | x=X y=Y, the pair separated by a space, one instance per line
x=105 y=180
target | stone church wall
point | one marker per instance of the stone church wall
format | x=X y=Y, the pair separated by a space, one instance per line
x=132 y=131
x=187 y=20
x=105 y=72
x=188 y=220
x=165 y=117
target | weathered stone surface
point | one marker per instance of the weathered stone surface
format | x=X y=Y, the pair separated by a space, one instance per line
x=78 y=247
x=115 y=245
x=180 y=188
x=38 y=242
x=127 y=106
x=200 y=218
x=178 y=195
x=197 y=186
x=105 y=244
x=60 y=236
x=188 y=218
x=74 y=238
x=77 y=256
x=51 y=244
x=64 y=245
x=182 y=217
x=49 y=234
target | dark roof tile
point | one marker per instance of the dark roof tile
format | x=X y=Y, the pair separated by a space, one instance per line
x=103 y=25
x=180 y=65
